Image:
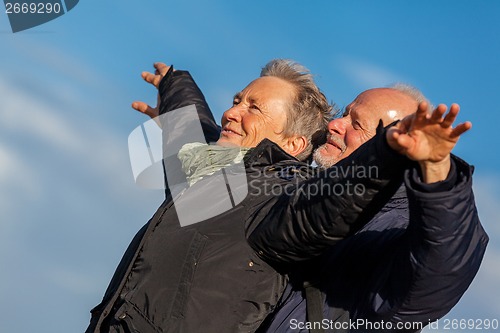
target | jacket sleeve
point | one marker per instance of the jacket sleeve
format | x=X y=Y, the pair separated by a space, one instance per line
x=440 y=253
x=303 y=223
x=177 y=90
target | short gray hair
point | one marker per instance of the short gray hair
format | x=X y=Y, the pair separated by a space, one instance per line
x=309 y=113
x=413 y=92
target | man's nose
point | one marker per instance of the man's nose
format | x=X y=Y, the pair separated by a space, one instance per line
x=337 y=126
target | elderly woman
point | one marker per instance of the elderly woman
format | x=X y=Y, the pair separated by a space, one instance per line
x=204 y=277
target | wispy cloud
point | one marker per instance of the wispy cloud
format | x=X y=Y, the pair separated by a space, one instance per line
x=28 y=115
x=365 y=74
x=57 y=61
x=15 y=177
x=64 y=181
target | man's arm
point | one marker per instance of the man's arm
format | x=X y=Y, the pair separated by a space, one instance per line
x=305 y=221
x=302 y=224
x=438 y=256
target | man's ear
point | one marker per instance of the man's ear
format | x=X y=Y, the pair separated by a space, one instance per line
x=296 y=145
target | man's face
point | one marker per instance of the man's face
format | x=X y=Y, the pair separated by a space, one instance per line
x=360 y=120
x=258 y=112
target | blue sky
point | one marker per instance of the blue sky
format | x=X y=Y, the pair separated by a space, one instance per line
x=68 y=202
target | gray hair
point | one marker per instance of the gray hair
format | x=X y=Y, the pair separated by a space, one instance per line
x=413 y=92
x=309 y=112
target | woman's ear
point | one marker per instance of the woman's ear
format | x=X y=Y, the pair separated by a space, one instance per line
x=296 y=145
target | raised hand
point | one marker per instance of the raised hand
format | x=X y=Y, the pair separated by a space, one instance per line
x=154 y=79
x=428 y=139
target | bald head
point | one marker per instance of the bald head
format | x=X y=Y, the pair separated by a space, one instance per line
x=360 y=120
x=387 y=104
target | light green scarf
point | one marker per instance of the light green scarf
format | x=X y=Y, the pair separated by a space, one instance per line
x=199 y=159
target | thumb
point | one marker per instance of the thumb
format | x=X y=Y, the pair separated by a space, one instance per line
x=393 y=136
x=145 y=108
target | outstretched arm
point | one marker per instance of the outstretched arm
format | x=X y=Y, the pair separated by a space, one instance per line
x=177 y=89
x=153 y=79
x=303 y=224
x=440 y=253
x=311 y=216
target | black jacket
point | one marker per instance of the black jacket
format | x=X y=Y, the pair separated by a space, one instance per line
x=410 y=264
x=205 y=277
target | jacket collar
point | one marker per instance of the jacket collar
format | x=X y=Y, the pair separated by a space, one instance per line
x=267 y=153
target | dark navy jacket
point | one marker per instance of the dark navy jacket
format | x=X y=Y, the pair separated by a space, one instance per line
x=411 y=263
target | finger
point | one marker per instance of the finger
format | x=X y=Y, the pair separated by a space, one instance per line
x=421 y=113
x=397 y=129
x=437 y=114
x=392 y=139
x=405 y=123
x=161 y=68
x=460 y=129
x=141 y=107
x=405 y=141
x=151 y=78
x=450 y=117
x=393 y=133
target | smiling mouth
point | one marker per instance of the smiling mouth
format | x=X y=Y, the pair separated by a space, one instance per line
x=335 y=142
x=228 y=132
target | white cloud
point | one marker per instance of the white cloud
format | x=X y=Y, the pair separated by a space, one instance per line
x=15 y=177
x=9 y=164
x=366 y=75
x=43 y=124
x=66 y=178
x=35 y=117
x=58 y=61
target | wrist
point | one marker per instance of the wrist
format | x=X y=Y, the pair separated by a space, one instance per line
x=433 y=172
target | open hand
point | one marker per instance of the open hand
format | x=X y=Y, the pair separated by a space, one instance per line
x=427 y=137
x=154 y=79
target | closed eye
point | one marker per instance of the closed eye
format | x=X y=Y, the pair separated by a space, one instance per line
x=236 y=99
x=356 y=125
x=255 y=107
x=346 y=111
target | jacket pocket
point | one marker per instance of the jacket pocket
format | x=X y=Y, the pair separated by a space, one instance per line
x=187 y=273
x=131 y=320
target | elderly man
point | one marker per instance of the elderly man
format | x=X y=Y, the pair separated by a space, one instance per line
x=405 y=268
x=204 y=276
